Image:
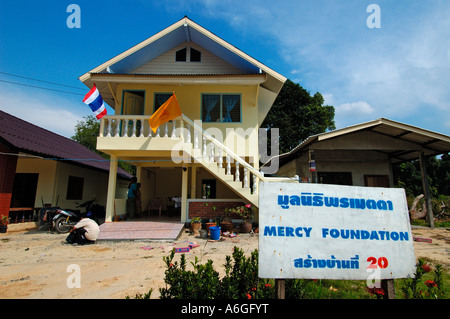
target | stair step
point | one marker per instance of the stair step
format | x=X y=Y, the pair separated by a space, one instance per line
x=220 y=173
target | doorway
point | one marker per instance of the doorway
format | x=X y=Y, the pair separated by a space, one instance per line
x=133 y=104
x=376 y=180
x=24 y=190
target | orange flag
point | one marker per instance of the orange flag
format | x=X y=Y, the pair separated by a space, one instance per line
x=166 y=112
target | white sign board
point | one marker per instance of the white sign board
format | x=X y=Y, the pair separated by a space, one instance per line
x=318 y=231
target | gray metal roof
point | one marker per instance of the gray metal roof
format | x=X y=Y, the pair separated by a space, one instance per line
x=430 y=143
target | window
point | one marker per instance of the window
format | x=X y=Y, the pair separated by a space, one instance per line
x=337 y=178
x=208 y=188
x=180 y=55
x=160 y=99
x=196 y=56
x=221 y=108
x=75 y=188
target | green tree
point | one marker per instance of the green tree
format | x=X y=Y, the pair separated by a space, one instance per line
x=298 y=115
x=407 y=175
x=86 y=132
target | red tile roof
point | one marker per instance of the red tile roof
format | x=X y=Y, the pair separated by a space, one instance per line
x=32 y=139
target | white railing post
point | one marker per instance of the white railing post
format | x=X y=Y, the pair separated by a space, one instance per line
x=204 y=149
x=173 y=129
x=188 y=137
x=237 y=173
x=245 y=177
x=108 y=133
x=255 y=184
x=211 y=158
x=229 y=160
x=181 y=130
x=220 y=158
x=117 y=128
x=134 y=128
x=195 y=140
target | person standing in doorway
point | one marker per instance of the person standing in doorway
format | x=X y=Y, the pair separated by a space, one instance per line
x=131 y=199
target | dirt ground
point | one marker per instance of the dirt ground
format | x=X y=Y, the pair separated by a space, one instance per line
x=35 y=264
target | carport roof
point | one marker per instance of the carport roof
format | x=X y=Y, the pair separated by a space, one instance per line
x=430 y=143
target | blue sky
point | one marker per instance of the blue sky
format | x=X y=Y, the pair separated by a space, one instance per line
x=400 y=71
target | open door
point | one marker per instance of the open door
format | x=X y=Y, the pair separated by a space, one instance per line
x=376 y=180
x=133 y=104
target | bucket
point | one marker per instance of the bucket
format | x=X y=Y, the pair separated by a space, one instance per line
x=204 y=233
x=215 y=232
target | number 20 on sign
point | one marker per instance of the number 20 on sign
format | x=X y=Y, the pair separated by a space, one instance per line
x=380 y=262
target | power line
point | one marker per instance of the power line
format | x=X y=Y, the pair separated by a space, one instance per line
x=44 y=88
x=32 y=79
x=40 y=87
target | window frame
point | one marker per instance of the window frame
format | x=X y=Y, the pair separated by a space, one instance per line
x=123 y=100
x=75 y=188
x=190 y=55
x=154 y=99
x=221 y=106
x=185 y=55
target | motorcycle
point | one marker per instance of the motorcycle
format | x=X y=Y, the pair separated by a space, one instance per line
x=65 y=219
x=46 y=215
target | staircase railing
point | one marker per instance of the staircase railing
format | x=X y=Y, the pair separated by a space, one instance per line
x=223 y=152
x=210 y=149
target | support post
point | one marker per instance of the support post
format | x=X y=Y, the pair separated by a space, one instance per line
x=193 y=181
x=426 y=189
x=184 y=191
x=312 y=166
x=111 y=195
x=388 y=287
x=280 y=285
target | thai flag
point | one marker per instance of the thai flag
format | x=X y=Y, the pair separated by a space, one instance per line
x=95 y=102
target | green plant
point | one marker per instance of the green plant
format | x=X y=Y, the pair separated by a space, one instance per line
x=247 y=212
x=4 y=220
x=196 y=220
x=201 y=283
x=142 y=296
x=420 y=287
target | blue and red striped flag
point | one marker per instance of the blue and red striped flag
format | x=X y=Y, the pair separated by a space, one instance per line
x=95 y=102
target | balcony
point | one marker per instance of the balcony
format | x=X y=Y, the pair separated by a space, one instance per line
x=181 y=140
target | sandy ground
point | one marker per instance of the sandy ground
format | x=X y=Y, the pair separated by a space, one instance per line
x=34 y=264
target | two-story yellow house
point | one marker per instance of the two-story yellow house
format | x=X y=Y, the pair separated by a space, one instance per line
x=208 y=157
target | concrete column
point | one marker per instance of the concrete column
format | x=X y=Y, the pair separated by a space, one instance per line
x=111 y=195
x=138 y=173
x=184 y=191
x=193 y=181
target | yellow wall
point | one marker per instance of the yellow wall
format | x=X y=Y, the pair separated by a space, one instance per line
x=53 y=181
x=189 y=99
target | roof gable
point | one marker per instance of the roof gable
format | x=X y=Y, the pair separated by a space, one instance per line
x=166 y=63
x=184 y=30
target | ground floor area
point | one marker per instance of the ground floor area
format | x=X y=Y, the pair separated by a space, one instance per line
x=178 y=193
x=34 y=264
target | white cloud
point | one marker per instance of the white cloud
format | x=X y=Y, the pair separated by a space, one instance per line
x=48 y=111
x=355 y=109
